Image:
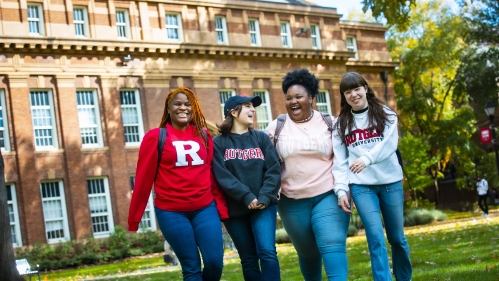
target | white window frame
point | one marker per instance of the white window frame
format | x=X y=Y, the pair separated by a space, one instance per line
x=39 y=21
x=5 y=127
x=221 y=30
x=286 y=34
x=178 y=27
x=149 y=211
x=125 y=24
x=15 y=214
x=83 y=22
x=139 y=123
x=108 y=214
x=255 y=32
x=327 y=102
x=265 y=106
x=352 y=46
x=84 y=124
x=52 y=127
x=64 y=217
x=225 y=94
x=315 y=35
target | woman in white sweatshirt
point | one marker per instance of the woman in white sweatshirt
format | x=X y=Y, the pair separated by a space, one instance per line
x=365 y=139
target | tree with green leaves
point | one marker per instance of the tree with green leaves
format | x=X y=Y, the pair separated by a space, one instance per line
x=396 y=12
x=437 y=122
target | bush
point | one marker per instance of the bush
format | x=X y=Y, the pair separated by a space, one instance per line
x=118 y=245
x=352 y=230
x=281 y=236
x=422 y=216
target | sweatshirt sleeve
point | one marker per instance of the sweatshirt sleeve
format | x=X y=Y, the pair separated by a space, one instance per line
x=340 y=166
x=384 y=149
x=228 y=182
x=272 y=172
x=144 y=178
x=218 y=196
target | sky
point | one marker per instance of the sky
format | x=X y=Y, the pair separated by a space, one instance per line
x=342 y=6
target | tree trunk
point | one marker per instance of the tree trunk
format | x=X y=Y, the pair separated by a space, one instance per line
x=437 y=196
x=8 y=270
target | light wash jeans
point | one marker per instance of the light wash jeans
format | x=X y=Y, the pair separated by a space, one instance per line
x=254 y=238
x=318 y=229
x=189 y=233
x=388 y=199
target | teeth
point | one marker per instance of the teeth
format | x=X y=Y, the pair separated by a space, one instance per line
x=182 y=114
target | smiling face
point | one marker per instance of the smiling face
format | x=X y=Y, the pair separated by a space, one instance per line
x=357 y=98
x=298 y=103
x=180 y=111
x=245 y=117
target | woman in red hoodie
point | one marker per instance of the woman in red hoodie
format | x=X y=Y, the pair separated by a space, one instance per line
x=187 y=195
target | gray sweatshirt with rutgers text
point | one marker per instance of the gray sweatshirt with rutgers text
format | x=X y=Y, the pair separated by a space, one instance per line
x=246 y=167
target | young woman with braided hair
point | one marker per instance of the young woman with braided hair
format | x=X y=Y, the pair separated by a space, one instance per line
x=365 y=140
x=188 y=204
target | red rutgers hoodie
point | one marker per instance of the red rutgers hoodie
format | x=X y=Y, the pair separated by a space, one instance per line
x=184 y=182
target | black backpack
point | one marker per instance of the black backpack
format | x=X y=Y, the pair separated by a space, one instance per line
x=161 y=144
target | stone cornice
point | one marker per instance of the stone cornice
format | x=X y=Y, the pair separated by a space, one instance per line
x=259 y=6
x=141 y=48
x=363 y=26
x=390 y=64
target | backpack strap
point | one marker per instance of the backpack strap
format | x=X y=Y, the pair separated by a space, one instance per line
x=204 y=135
x=328 y=120
x=399 y=157
x=253 y=132
x=161 y=144
x=281 y=119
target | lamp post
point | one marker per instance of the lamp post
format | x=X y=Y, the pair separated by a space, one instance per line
x=490 y=109
x=384 y=78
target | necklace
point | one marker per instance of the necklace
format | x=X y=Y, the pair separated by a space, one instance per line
x=306 y=119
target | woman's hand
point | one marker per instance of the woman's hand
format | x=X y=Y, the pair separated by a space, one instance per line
x=253 y=204
x=357 y=166
x=345 y=206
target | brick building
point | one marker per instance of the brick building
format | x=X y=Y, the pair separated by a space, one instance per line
x=82 y=80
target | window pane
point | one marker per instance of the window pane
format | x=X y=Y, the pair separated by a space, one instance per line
x=99 y=209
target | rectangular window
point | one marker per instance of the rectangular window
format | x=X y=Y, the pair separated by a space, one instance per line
x=4 y=125
x=225 y=94
x=263 y=113
x=15 y=229
x=286 y=35
x=221 y=30
x=54 y=212
x=316 y=37
x=100 y=207
x=148 y=221
x=89 y=119
x=42 y=114
x=323 y=103
x=80 y=21
x=123 y=24
x=173 y=23
x=131 y=116
x=35 y=19
x=352 y=46
x=254 y=31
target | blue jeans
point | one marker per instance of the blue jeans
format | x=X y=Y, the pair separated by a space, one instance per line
x=389 y=199
x=254 y=237
x=318 y=229
x=188 y=231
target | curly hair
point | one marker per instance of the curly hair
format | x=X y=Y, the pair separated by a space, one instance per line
x=197 y=115
x=301 y=77
x=376 y=115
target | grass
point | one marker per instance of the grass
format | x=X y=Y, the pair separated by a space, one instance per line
x=460 y=250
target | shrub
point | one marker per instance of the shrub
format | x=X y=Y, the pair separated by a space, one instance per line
x=422 y=216
x=352 y=230
x=281 y=236
x=118 y=245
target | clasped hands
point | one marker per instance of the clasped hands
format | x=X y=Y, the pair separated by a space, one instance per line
x=255 y=205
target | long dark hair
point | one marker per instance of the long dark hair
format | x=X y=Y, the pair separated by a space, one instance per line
x=226 y=125
x=376 y=115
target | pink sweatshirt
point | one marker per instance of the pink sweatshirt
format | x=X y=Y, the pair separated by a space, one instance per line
x=307 y=152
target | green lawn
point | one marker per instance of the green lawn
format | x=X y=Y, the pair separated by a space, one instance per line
x=453 y=251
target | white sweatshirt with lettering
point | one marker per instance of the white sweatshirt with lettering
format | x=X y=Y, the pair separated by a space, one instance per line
x=376 y=149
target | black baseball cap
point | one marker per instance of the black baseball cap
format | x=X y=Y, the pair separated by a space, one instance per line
x=233 y=101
